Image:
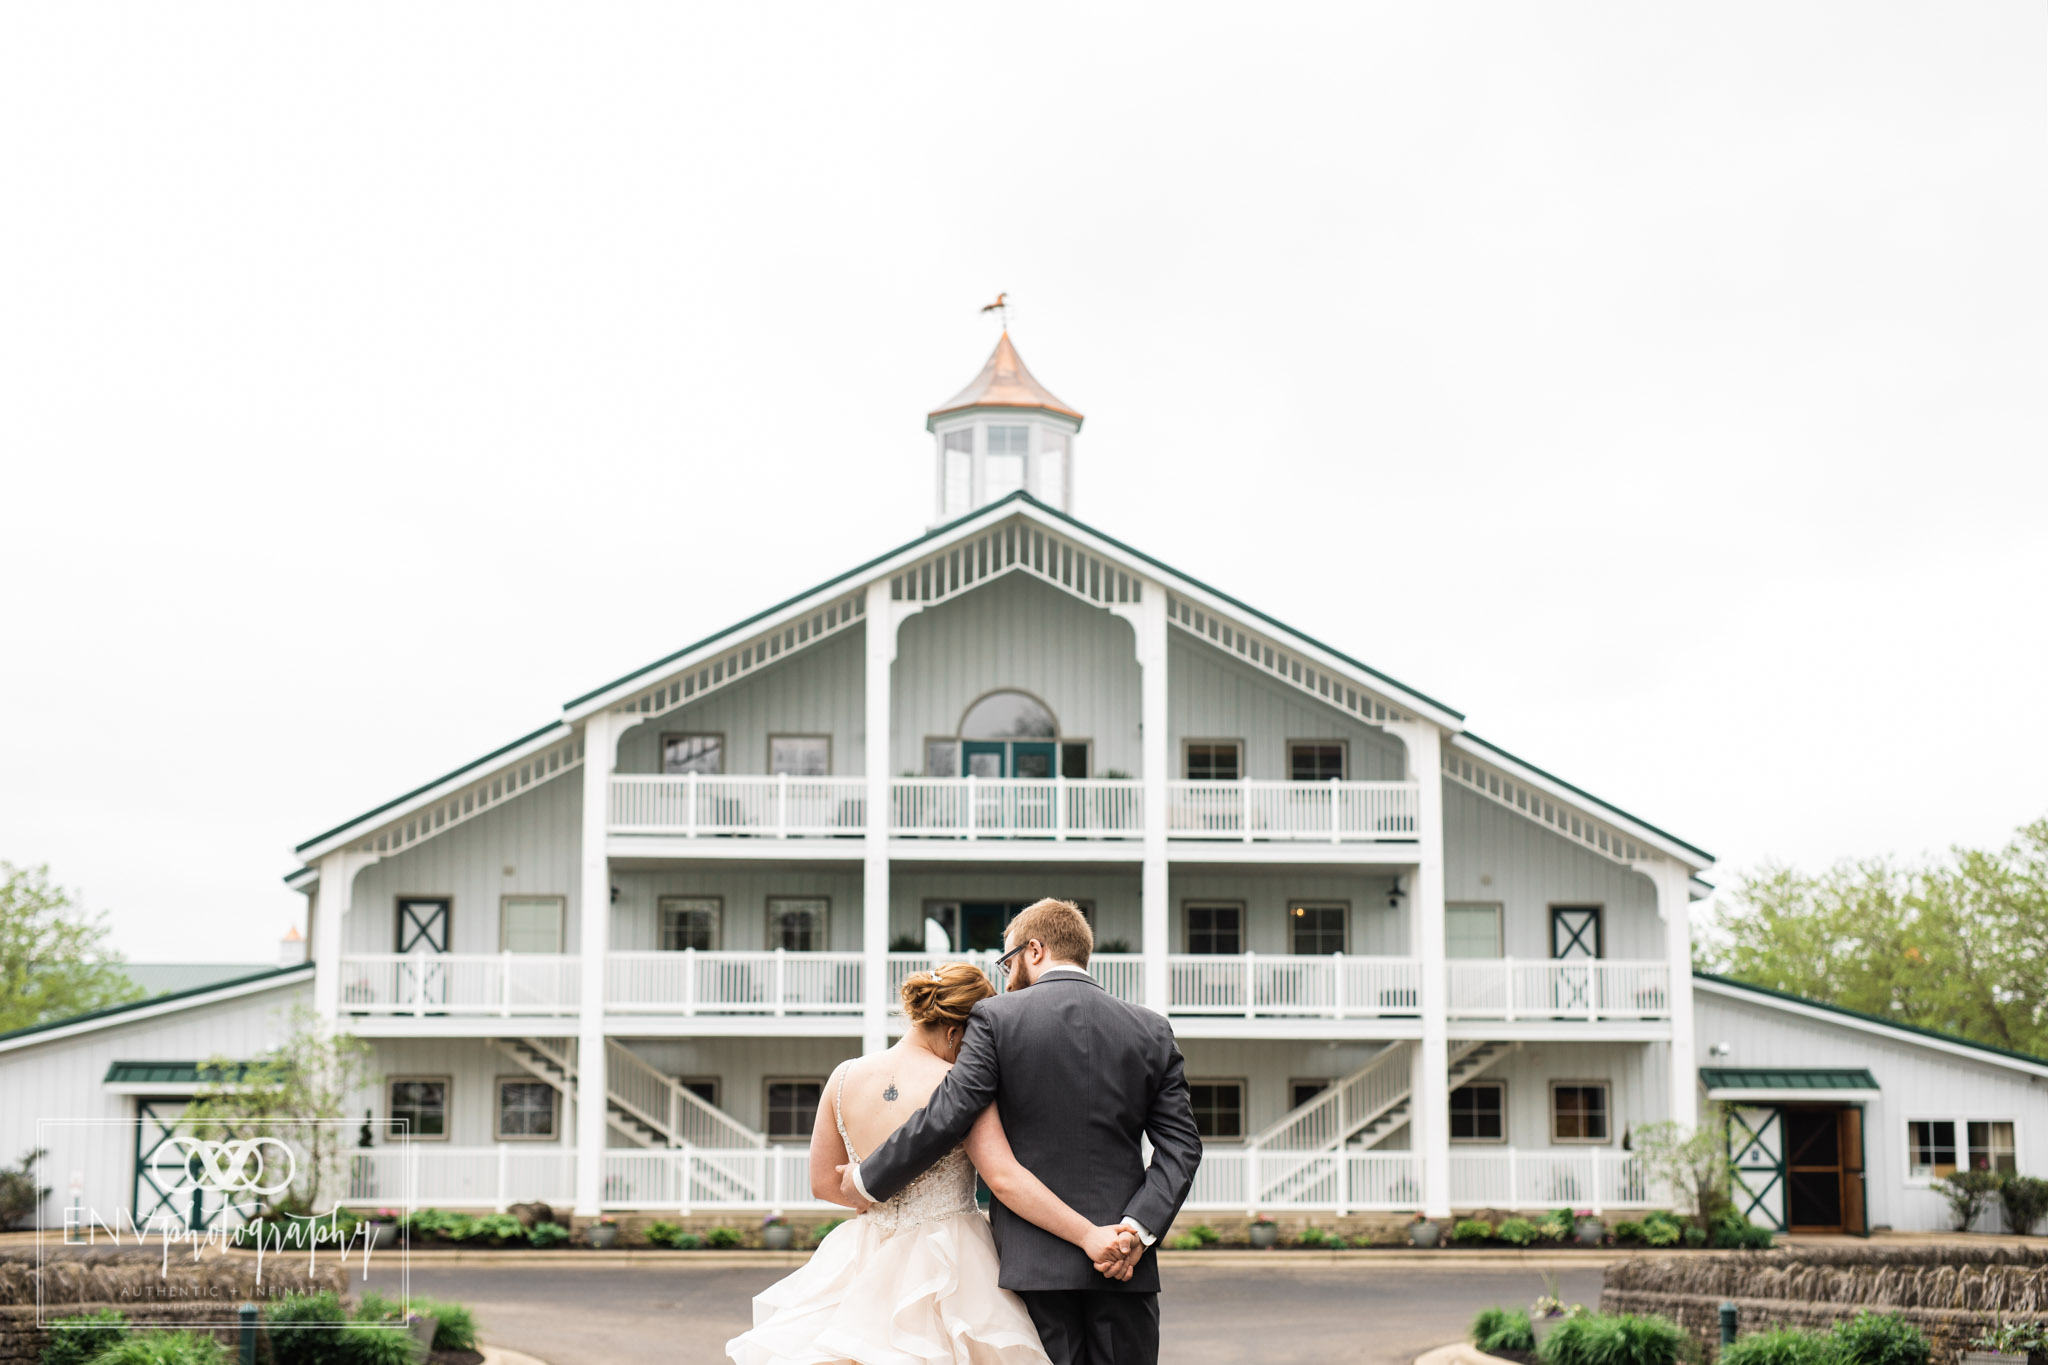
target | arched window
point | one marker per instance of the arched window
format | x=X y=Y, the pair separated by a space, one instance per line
x=1006 y=734
x=1009 y=715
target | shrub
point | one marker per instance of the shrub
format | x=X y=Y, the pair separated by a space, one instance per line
x=663 y=1233
x=20 y=1196
x=722 y=1239
x=75 y=1340
x=1186 y=1241
x=1503 y=1329
x=547 y=1234
x=688 y=1241
x=1629 y=1231
x=165 y=1348
x=1598 y=1339
x=1517 y=1231
x=1662 y=1230
x=1733 y=1232
x=1315 y=1237
x=1205 y=1234
x=824 y=1230
x=363 y=1343
x=1695 y=1235
x=455 y=1325
x=2007 y=1338
x=1471 y=1230
x=1967 y=1192
x=2024 y=1199
x=1879 y=1339
x=1557 y=1226
x=302 y=1329
x=1779 y=1346
x=496 y=1228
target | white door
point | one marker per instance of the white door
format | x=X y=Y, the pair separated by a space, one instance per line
x=1756 y=1147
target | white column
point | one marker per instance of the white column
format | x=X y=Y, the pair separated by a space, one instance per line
x=330 y=907
x=1674 y=907
x=1156 y=756
x=600 y=755
x=874 y=883
x=1430 y=1131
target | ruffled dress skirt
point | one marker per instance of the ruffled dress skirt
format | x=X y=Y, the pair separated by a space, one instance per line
x=920 y=1294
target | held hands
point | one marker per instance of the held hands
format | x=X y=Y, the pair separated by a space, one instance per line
x=848 y=1192
x=1113 y=1251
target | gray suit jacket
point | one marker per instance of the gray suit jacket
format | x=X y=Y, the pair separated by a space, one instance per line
x=1079 y=1076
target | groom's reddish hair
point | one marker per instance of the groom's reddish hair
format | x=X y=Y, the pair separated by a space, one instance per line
x=1059 y=925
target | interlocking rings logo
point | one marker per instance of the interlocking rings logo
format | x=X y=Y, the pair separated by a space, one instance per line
x=238 y=1165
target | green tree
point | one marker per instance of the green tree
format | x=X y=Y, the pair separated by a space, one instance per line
x=54 y=962
x=1958 y=944
x=298 y=1092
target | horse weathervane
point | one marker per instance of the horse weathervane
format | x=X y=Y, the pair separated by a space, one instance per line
x=1001 y=308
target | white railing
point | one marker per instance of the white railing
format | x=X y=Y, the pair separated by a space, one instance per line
x=462 y=1177
x=1241 y=1179
x=662 y=1101
x=425 y=984
x=1576 y=988
x=686 y=1178
x=1121 y=974
x=1337 y=986
x=1510 y=1179
x=1333 y=1115
x=1017 y=808
x=702 y=804
x=1333 y=811
x=773 y=983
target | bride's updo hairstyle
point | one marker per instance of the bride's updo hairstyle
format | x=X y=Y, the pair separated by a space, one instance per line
x=945 y=997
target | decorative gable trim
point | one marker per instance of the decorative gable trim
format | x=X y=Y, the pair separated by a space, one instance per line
x=748 y=657
x=1563 y=809
x=1015 y=546
x=1277 y=661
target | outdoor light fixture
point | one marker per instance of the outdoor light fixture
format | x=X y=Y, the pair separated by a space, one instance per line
x=1394 y=895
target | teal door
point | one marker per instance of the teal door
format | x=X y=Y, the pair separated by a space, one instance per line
x=1030 y=760
x=985 y=758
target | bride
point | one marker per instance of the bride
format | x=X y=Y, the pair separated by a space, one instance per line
x=913 y=1278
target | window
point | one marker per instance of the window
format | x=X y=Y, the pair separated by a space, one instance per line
x=1471 y=931
x=1008 y=715
x=1214 y=760
x=1215 y=928
x=689 y=922
x=958 y=474
x=704 y=1088
x=1316 y=762
x=1578 y=1111
x=797 y=923
x=1051 y=483
x=1002 y=473
x=1575 y=931
x=793 y=1108
x=1301 y=1092
x=418 y=1107
x=800 y=755
x=1992 y=1147
x=1219 y=1108
x=423 y=924
x=530 y=924
x=1316 y=929
x=1074 y=758
x=526 y=1109
x=693 y=753
x=1930 y=1148
x=1479 y=1112
x=942 y=758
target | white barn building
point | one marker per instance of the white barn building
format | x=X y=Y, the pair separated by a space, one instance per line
x=610 y=964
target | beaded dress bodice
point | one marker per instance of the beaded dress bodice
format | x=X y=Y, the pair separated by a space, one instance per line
x=942 y=1191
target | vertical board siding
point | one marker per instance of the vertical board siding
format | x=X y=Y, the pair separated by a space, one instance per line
x=537 y=836
x=744 y=891
x=1377 y=930
x=817 y=691
x=1210 y=695
x=1115 y=894
x=1017 y=633
x=473 y=1067
x=1494 y=854
x=1267 y=1067
x=1916 y=1083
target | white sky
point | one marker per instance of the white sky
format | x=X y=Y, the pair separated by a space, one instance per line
x=1660 y=385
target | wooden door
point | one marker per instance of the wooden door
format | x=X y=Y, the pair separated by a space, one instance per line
x=1855 y=1216
x=1813 y=1169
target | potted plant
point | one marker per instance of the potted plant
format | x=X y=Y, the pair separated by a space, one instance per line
x=1265 y=1232
x=1422 y=1232
x=604 y=1233
x=1589 y=1230
x=383 y=1228
x=776 y=1233
x=2008 y=1343
x=1548 y=1311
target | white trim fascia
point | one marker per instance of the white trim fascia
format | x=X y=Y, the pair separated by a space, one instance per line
x=1827 y=1016
x=302 y=878
x=298 y=976
x=440 y=791
x=1560 y=1030
x=1564 y=796
x=1791 y=1095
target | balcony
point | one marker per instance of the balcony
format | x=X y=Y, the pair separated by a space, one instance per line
x=1322 y=812
x=1121 y=974
x=1017 y=808
x=1258 y=986
x=1586 y=989
x=507 y=985
x=704 y=806
x=774 y=984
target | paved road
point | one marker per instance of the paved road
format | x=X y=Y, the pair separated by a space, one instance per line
x=1286 y=1315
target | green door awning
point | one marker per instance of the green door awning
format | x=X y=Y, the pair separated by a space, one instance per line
x=180 y=1074
x=1815 y=1083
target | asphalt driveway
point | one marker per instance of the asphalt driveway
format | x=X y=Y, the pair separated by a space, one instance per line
x=1283 y=1315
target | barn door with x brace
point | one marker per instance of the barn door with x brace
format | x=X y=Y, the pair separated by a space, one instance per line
x=168 y=1195
x=423 y=935
x=1574 y=937
x=1756 y=1163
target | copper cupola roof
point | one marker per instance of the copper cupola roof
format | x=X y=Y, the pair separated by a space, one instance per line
x=1003 y=383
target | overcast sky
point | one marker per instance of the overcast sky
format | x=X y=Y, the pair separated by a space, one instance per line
x=1663 y=386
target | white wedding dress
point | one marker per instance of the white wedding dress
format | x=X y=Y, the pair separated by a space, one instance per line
x=912 y=1280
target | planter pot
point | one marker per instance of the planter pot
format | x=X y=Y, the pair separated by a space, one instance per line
x=422 y=1330
x=778 y=1237
x=383 y=1235
x=603 y=1235
x=1423 y=1234
x=1265 y=1235
x=1590 y=1232
x=1543 y=1326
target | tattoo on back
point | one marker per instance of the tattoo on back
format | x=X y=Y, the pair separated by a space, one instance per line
x=890 y=1093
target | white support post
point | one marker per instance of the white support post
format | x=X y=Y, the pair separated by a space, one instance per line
x=881 y=615
x=1155 y=750
x=329 y=908
x=1674 y=907
x=1431 y=1115
x=594 y=908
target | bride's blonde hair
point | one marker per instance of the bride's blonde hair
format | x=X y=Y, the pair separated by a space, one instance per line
x=946 y=996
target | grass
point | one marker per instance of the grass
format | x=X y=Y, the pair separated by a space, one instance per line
x=1779 y=1346
x=1601 y=1339
x=1503 y=1329
x=76 y=1340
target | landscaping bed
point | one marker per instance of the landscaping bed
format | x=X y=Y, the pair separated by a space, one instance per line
x=1560 y=1230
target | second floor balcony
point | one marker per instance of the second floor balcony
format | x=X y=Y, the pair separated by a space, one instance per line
x=713 y=806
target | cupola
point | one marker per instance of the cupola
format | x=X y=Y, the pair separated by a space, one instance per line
x=1003 y=432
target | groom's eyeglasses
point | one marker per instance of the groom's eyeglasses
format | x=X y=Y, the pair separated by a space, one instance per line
x=1003 y=962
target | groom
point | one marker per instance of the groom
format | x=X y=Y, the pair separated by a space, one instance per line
x=1080 y=1077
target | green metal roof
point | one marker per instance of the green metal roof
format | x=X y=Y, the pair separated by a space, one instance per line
x=1848 y=1013
x=172 y=1073
x=1807 y=1078
x=300 y=969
